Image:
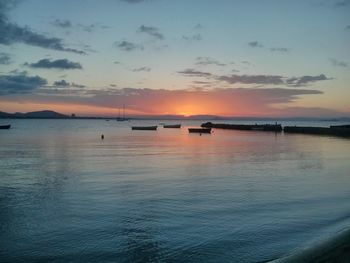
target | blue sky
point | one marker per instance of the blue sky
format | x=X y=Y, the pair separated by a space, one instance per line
x=199 y=47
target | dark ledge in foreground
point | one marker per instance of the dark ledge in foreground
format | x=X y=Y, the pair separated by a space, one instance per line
x=333 y=250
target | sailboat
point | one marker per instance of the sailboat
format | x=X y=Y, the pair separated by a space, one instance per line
x=122 y=118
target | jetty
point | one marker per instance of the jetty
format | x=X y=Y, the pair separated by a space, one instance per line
x=339 y=130
x=246 y=127
x=335 y=130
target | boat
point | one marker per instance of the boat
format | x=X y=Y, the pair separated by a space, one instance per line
x=199 y=130
x=144 y=128
x=3 y=127
x=122 y=118
x=174 y=126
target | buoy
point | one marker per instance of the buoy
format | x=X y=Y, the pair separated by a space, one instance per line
x=102 y=137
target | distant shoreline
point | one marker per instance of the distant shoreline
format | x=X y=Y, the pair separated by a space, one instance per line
x=47 y=114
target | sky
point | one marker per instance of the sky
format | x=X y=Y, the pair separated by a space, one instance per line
x=262 y=58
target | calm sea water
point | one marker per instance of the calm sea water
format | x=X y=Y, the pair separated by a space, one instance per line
x=166 y=196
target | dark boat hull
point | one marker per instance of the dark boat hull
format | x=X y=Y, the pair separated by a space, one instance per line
x=174 y=126
x=4 y=127
x=199 y=130
x=144 y=128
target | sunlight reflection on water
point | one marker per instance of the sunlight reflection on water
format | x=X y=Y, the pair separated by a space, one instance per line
x=139 y=196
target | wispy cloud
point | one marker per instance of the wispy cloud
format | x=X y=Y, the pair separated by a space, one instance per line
x=304 y=80
x=67 y=24
x=343 y=3
x=338 y=63
x=62 y=23
x=198 y=26
x=12 y=33
x=256 y=79
x=252 y=79
x=5 y=58
x=203 y=61
x=62 y=83
x=255 y=44
x=132 y=1
x=145 y=69
x=128 y=46
x=55 y=64
x=279 y=49
x=194 y=73
x=151 y=31
x=195 y=37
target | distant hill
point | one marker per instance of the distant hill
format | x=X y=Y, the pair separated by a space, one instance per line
x=45 y=114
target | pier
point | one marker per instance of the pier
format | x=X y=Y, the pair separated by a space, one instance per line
x=247 y=127
x=335 y=130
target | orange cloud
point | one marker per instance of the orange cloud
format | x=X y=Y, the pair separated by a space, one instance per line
x=224 y=102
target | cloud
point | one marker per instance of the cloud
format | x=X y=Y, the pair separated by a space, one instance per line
x=279 y=49
x=196 y=37
x=5 y=58
x=62 y=83
x=55 y=64
x=252 y=79
x=11 y=33
x=92 y=27
x=304 y=80
x=255 y=44
x=146 y=69
x=132 y=1
x=347 y=27
x=342 y=3
x=256 y=79
x=67 y=24
x=128 y=46
x=194 y=73
x=150 y=30
x=62 y=23
x=229 y=101
x=338 y=63
x=247 y=63
x=20 y=83
x=203 y=61
x=198 y=26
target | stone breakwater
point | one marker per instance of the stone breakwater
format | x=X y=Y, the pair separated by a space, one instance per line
x=338 y=130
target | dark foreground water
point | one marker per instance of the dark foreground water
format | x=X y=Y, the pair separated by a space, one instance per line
x=165 y=196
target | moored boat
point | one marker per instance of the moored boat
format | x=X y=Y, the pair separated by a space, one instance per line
x=144 y=128
x=174 y=126
x=3 y=127
x=199 y=130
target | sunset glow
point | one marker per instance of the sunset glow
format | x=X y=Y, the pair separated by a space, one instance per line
x=191 y=63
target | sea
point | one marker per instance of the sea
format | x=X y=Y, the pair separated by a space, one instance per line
x=66 y=195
